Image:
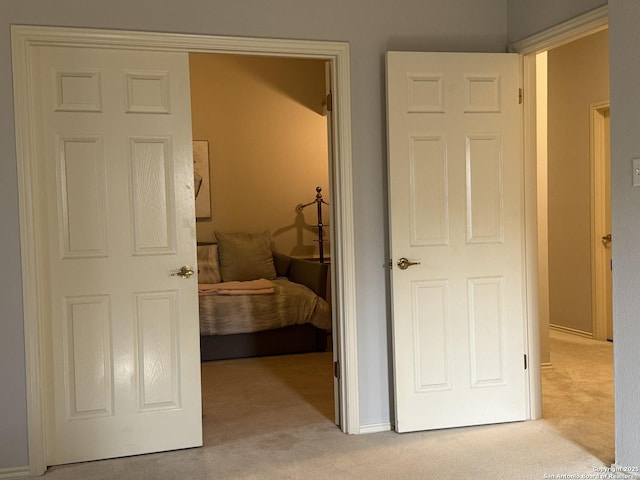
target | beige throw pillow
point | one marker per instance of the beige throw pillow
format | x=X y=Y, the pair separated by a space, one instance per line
x=245 y=256
x=208 y=268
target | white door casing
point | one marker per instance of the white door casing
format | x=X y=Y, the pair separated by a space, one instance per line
x=600 y=164
x=609 y=255
x=329 y=82
x=456 y=207
x=121 y=333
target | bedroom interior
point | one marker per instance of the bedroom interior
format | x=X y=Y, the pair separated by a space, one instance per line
x=265 y=127
x=14 y=430
x=267 y=136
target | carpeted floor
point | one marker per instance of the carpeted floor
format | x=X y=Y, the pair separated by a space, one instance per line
x=272 y=418
x=578 y=393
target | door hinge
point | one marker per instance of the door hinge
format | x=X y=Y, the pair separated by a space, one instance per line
x=520 y=96
x=329 y=102
x=525 y=361
x=336 y=369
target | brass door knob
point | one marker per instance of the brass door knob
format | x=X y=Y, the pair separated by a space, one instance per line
x=404 y=263
x=606 y=239
x=185 y=272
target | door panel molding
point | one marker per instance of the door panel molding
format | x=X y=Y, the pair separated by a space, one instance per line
x=25 y=38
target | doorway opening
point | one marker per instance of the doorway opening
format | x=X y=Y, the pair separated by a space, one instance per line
x=572 y=93
x=267 y=127
x=576 y=200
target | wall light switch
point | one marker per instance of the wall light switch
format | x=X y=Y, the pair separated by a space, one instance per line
x=636 y=172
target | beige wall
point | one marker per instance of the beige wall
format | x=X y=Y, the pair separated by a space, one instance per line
x=267 y=144
x=578 y=77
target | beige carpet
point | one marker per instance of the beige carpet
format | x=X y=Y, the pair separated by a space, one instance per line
x=578 y=393
x=272 y=418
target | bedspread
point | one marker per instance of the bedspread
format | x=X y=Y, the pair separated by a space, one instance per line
x=252 y=287
x=291 y=304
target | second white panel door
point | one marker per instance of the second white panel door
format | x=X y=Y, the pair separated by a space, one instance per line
x=456 y=213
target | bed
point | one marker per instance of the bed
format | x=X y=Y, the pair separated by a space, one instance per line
x=254 y=302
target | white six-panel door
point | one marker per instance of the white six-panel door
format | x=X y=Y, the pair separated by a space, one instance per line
x=115 y=184
x=456 y=210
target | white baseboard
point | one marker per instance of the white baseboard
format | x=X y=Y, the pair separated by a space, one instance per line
x=572 y=331
x=375 y=428
x=14 y=472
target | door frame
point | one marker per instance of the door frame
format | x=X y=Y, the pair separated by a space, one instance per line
x=599 y=263
x=25 y=38
x=565 y=32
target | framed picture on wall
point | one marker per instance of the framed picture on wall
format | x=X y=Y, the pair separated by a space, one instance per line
x=201 y=177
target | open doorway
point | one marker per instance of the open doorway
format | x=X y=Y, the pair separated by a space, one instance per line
x=577 y=81
x=572 y=94
x=263 y=121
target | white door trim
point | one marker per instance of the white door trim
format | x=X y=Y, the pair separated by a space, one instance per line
x=24 y=38
x=599 y=263
x=571 y=30
x=531 y=240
